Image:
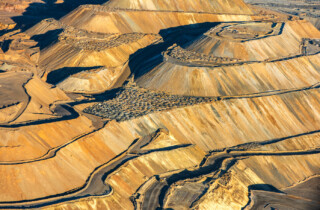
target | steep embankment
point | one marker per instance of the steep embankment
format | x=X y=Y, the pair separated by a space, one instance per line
x=260 y=120
x=86 y=52
x=233 y=80
x=93 y=18
x=34 y=141
x=94 y=80
x=228 y=189
x=84 y=42
x=227 y=6
x=259 y=65
x=78 y=51
x=222 y=42
x=139 y=148
x=74 y=58
x=217 y=182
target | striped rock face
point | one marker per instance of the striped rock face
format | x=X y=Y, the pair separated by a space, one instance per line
x=172 y=104
x=218 y=6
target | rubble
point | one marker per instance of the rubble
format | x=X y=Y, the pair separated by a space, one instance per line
x=133 y=102
x=184 y=55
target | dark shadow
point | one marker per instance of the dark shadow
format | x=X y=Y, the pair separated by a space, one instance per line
x=48 y=9
x=108 y=95
x=5 y=31
x=38 y=11
x=44 y=40
x=264 y=187
x=5 y=45
x=182 y=36
x=58 y=75
x=151 y=55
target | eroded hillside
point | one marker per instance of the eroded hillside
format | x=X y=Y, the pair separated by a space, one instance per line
x=203 y=104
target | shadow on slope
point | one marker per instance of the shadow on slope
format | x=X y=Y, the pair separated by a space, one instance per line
x=264 y=187
x=58 y=75
x=49 y=9
x=44 y=40
x=5 y=45
x=144 y=60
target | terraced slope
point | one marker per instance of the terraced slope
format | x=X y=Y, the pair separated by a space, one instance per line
x=92 y=18
x=83 y=42
x=241 y=41
x=229 y=6
x=231 y=66
x=202 y=104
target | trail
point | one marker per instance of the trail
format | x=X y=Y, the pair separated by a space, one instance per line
x=156 y=193
x=95 y=184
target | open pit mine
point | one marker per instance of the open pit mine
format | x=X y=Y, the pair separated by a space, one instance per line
x=159 y=104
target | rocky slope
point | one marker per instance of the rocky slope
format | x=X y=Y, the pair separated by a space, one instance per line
x=229 y=6
x=202 y=104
